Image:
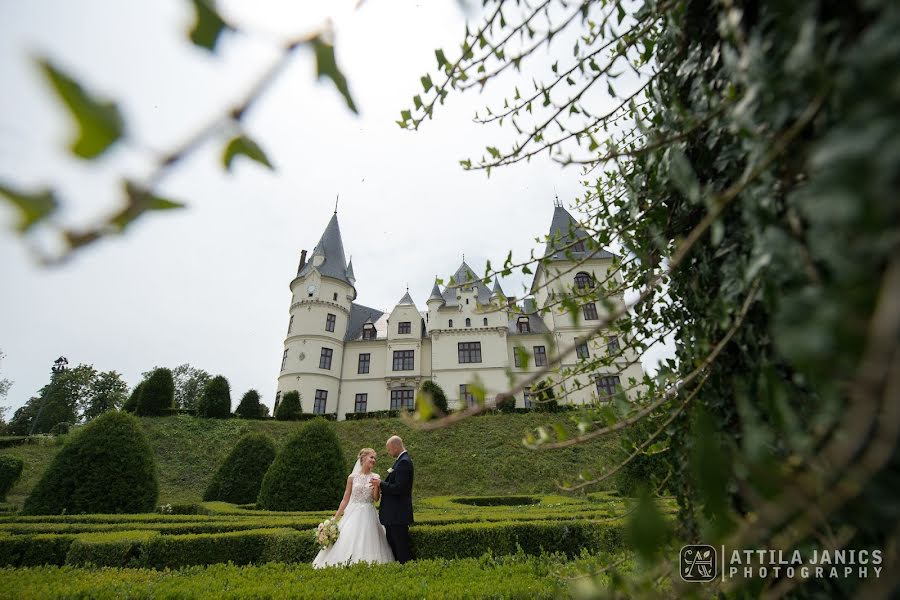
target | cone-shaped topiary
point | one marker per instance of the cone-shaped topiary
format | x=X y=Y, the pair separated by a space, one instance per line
x=308 y=474
x=215 y=402
x=10 y=469
x=135 y=397
x=239 y=478
x=157 y=395
x=250 y=407
x=107 y=467
x=438 y=397
x=289 y=409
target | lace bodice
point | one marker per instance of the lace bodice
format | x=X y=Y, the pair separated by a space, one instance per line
x=361 y=491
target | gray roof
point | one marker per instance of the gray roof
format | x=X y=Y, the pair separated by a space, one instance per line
x=497 y=290
x=350 y=275
x=359 y=316
x=331 y=247
x=463 y=275
x=406 y=299
x=565 y=230
x=534 y=320
x=435 y=293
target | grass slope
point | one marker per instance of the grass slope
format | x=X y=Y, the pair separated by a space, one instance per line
x=480 y=456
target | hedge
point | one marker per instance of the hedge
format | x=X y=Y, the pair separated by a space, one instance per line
x=240 y=476
x=157 y=394
x=10 y=470
x=118 y=549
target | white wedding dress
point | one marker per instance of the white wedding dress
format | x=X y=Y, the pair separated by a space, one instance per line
x=362 y=537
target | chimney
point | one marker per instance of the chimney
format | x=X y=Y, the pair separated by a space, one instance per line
x=302 y=261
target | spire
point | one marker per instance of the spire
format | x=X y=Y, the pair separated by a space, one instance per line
x=435 y=292
x=350 y=275
x=328 y=255
x=406 y=299
x=497 y=290
x=565 y=231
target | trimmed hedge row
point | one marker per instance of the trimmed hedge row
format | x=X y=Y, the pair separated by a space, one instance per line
x=166 y=528
x=151 y=549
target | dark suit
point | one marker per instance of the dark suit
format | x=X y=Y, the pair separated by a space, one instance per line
x=396 y=512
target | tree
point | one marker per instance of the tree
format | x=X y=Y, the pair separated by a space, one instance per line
x=289 y=409
x=189 y=384
x=250 y=406
x=438 y=397
x=132 y=403
x=158 y=394
x=108 y=467
x=59 y=400
x=5 y=384
x=240 y=476
x=216 y=399
x=736 y=153
x=308 y=474
x=108 y=392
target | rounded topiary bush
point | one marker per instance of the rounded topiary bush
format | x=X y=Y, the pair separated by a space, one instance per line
x=506 y=403
x=157 y=395
x=438 y=397
x=107 y=467
x=250 y=407
x=289 y=409
x=215 y=402
x=10 y=470
x=308 y=474
x=545 y=397
x=135 y=398
x=239 y=478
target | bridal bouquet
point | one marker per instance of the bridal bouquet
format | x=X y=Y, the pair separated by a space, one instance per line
x=327 y=533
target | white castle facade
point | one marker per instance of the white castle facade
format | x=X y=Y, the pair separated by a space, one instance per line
x=344 y=357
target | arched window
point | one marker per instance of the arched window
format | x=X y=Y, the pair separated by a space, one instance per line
x=582 y=280
x=485 y=321
x=468 y=322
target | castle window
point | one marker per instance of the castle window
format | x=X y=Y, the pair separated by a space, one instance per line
x=582 y=280
x=469 y=352
x=578 y=247
x=291 y=324
x=325 y=358
x=277 y=401
x=404 y=327
x=485 y=321
x=284 y=359
x=450 y=324
x=404 y=360
x=529 y=397
x=465 y=396
x=334 y=297
x=607 y=386
x=540 y=356
x=401 y=399
x=467 y=300
x=582 y=350
x=369 y=332
x=523 y=325
x=590 y=312
x=612 y=344
x=364 y=359
x=468 y=322
x=320 y=402
x=329 y=322
x=361 y=401
x=518 y=353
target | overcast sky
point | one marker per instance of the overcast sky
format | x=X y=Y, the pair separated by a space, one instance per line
x=209 y=285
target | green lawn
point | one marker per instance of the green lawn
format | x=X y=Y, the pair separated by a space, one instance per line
x=480 y=456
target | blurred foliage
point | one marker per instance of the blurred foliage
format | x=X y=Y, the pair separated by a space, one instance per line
x=746 y=156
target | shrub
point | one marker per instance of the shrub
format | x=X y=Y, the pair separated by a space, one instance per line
x=10 y=470
x=506 y=403
x=250 y=406
x=239 y=478
x=107 y=467
x=157 y=395
x=308 y=474
x=438 y=397
x=215 y=402
x=289 y=409
x=134 y=399
x=644 y=471
x=545 y=397
x=114 y=549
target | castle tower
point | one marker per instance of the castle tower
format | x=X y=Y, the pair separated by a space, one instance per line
x=322 y=294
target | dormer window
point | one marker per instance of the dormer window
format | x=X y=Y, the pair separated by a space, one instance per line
x=523 y=325
x=404 y=327
x=582 y=280
x=368 y=332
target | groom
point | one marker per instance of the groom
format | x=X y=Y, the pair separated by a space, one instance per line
x=396 y=512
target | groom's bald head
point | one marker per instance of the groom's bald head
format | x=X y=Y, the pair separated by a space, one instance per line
x=395 y=446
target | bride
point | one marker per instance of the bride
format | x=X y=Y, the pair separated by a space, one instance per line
x=361 y=536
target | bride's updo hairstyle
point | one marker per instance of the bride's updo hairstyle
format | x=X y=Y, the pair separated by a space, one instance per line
x=365 y=452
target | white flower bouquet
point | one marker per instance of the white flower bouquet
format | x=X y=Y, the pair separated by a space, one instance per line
x=374 y=476
x=327 y=533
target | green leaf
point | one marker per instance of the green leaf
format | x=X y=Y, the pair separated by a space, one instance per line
x=140 y=201
x=647 y=529
x=99 y=121
x=426 y=82
x=326 y=66
x=33 y=206
x=441 y=59
x=242 y=145
x=208 y=25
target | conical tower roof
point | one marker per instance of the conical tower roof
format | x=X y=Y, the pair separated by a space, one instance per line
x=435 y=293
x=564 y=232
x=331 y=249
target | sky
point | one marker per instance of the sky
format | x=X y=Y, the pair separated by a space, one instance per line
x=208 y=285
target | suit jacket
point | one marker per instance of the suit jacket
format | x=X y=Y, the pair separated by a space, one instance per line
x=396 y=493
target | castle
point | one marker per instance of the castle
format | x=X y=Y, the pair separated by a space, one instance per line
x=344 y=357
